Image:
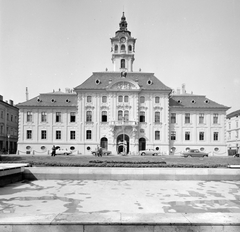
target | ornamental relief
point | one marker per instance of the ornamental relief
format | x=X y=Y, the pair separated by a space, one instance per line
x=124 y=107
x=157 y=108
x=143 y=108
x=89 y=107
x=104 y=107
x=123 y=86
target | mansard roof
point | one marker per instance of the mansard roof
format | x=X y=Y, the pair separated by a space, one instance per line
x=101 y=81
x=184 y=101
x=233 y=114
x=53 y=99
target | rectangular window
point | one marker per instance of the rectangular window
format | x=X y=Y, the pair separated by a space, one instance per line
x=187 y=117
x=104 y=99
x=120 y=98
x=58 y=116
x=215 y=118
x=58 y=134
x=43 y=134
x=201 y=135
x=1 y=131
x=88 y=134
x=89 y=98
x=236 y=124
x=29 y=134
x=125 y=98
x=126 y=115
x=142 y=116
x=142 y=99
x=157 y=99
x=11 y=118
x=16 y=119
x=72 y=117
x=72 y=134
x=229 y=125
x=173 y=117
x=157 y=117
x=157 y=135
x=187 y=135
x=201 y=118
x=215 y=136
x=237 y=134
x=173 y=135
x=120 y=115
x=104 y=116
x=43 y=117
x=89 y=116
x=7 y=116
x=1 y=114
x=29 y=116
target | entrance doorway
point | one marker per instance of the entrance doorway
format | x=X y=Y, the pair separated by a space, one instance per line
x=104 y=143
x=123 y=144
x=142 y=144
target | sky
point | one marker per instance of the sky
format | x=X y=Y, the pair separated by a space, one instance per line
x=57 y=44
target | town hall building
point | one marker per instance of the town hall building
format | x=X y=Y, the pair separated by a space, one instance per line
x=123 y=111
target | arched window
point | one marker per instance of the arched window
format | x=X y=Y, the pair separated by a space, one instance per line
x=130 y=48
x=125 y=98
x=123 y=47
x=89 y=116
x=126 y=115
x=120 y=115
x=142 y=116
x=120 y=98
x=104 y=116
x=157 y=117
x=122 y=63
x=142 y=99
x=104 y=143
x=116 y=48
x=157 y=99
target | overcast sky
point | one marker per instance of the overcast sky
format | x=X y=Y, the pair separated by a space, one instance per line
x=52 y=44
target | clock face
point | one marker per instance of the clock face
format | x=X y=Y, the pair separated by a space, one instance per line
x=123 y=39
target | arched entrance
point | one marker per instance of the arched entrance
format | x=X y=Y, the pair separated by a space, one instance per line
x=142 y=144
x=123 y=144
x=104 y=143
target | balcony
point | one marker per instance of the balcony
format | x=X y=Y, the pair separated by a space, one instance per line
x=123 y=123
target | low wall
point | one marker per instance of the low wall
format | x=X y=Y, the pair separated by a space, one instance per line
x=84 y=173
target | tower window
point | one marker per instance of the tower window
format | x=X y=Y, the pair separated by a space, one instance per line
x=116 y=48
x=122 y=63
x=123 y=48
x=130 y=48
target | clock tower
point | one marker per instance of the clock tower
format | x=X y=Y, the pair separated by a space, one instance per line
x=123 y=48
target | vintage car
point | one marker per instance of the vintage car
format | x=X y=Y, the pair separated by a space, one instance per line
x=104 y=152
x=194 y=153
x=60 y=151
x=149 y=152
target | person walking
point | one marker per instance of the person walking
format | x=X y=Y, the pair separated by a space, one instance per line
x=53 y=151
x=100 y=151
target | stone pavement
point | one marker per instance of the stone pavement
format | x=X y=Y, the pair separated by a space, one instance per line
x=132 y=201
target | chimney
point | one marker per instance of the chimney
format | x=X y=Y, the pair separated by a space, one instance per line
x=1 y=98
x=26 y=93
x=178 y=91
x=183 y=89
x=11 y=102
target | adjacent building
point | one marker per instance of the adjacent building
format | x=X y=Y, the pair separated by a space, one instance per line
x=123 y=111
x=8 y=126
x=233 y=132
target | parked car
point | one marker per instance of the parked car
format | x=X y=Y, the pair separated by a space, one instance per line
x=60 y=151
x=104 y=152
x=194 y=153
x=149 y=152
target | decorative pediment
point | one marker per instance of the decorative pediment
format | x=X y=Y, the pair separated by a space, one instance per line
x=143 y=108
x=157 y=108
x=104 y=107
x=123 y=84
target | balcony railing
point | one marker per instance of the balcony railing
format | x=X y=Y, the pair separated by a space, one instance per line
x=123 y=123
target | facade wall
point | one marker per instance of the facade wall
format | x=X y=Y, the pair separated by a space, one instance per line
x=209 y=144
x=8 y=127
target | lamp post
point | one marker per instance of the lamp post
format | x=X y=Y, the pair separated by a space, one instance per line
x=8 y=142
x=123 y=134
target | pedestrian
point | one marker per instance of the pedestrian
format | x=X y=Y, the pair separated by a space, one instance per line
x=53 y=151
x=100 y=151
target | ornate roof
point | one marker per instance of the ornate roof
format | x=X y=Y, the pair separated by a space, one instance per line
x=102 y=80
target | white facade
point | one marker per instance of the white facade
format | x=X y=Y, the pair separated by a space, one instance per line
x=122 y=111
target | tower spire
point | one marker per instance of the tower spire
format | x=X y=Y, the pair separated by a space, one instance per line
x=123 y=23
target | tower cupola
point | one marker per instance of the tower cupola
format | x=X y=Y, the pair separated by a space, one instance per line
x=123 y=48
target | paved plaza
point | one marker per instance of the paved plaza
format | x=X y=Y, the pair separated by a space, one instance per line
x=132 y=196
